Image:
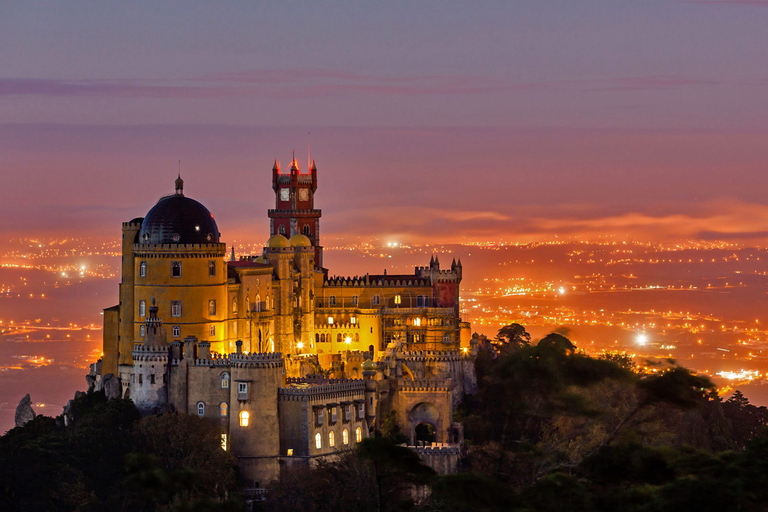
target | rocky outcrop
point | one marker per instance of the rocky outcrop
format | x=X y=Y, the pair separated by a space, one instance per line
x=24 y=412
x=111 y=386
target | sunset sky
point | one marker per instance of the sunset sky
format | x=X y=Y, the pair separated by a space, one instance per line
x=430 y=121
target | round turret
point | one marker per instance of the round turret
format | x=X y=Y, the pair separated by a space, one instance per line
x=299 y=240
x=277 y=242
x=369 y=366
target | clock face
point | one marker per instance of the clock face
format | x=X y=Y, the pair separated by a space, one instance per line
x=303 y=194
x=285 y=194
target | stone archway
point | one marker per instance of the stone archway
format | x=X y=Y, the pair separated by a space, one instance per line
x=425 y=423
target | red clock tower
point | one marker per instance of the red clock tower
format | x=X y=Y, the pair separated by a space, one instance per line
x=294 y=211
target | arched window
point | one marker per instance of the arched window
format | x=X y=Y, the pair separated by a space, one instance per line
x=258 y=304
x=331 y=439
x=142 y=330
x=211 y=268
x=244 y=418
x=306 y=230
x=345 y=436
x=318 y=441
x=398 y=299
x=225 y=380
x=247 y=303
x=211 y=307
x=338 y=338
x=223 y=408
x=143 y=269
x=176 y=331
x=142 y=308
x=331 y=300
x=355 y=300
x=201 y=409
x=375 y=300
x=317 y=338
x=357 y=337
x=417 y=322
x=358 y=434
x=234 y=305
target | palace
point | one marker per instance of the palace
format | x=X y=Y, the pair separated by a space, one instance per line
x=291 y=363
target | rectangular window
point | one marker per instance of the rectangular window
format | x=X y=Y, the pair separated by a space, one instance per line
x=242 y=391
x=151 y=378
x=142 y=330
x=398 y=299
x=212 y=330
x=333 y=415
x=347 y=413
x=175 y=269
x=211 y=307
x=319 y=417
x=143 y=269
x=212 y=268
x=360 y=411
x=142 y=308
x=176 y=308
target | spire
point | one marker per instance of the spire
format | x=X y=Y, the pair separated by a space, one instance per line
x=432 y=261
x=232 y=256
x=313 y=167
x=453 y=263
x=276 y=167
x=294 y=163
x=179 y=185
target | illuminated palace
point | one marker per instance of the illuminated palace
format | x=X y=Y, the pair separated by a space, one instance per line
x=292 y=363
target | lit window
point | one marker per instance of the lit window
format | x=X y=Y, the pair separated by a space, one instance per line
x=398 y=299
x=223 y=408
x=345 y=437
x=212 y=330
x=330 y=320
x=142 y=330
x=290 y=452
x=211 y=307
x=224 y=441
x=355 y=300
x=211 y=268
x=318 y=441
x=176 y=308
x=375 y=300
x=417 y=322
x=224 y=381
x=176 y=330
x=244 y=419
x=257 y=305
x=353 y=320
x=143 y=269
x=358 y=434
x=175 y=269
x=201 y=409
x=142 y=308
x=332 y=300
x=331 y=440
x=234 y=305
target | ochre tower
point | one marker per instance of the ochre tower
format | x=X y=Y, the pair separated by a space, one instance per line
x=294 y=211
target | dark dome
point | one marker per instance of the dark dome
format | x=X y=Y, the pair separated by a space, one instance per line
x=176 y=219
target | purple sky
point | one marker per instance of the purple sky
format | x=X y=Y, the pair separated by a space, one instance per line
x=430 y=121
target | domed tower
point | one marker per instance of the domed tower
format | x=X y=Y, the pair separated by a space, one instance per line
x=179 y=261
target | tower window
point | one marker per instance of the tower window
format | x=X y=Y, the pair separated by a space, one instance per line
x=331 y=439
x=212 y=330
x=142 y=308
x=223 y=409
x=175 y=269
x=398 y=299
x=318 y=441
x=176 y=330
x=224 y=380
x=345 y=436
x=305 y=229
x=176 y=308
x=358 y=434
x=142 y=330
x=234 y=305
x=332 y=300
x=244 y=416
x=375 y=300
x=355 y=300
x=281 y=230
x=211 y=307
x=143 y=269
x=201 y=409
x=212 y=268
x=417 y=322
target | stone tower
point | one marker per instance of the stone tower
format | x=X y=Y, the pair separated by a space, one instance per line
x=294 y=211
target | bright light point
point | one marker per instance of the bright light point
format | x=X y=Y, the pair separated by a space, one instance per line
x=347 y=340
x=642 y=339
x=300 y=344
x=561 y=290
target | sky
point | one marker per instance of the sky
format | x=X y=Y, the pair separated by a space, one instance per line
x=430 y=121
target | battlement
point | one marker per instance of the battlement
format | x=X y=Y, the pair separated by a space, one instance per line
x=426 y=385
x=430 y=355
x=142 y=352
x=179 y=250
x=437 y=449
x=253 y=360
x=337 y=326
x=316 y=386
